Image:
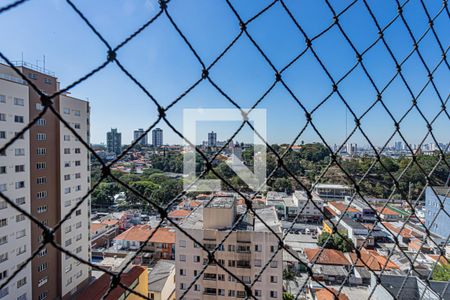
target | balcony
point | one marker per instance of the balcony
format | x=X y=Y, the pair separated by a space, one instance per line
x=243 y=264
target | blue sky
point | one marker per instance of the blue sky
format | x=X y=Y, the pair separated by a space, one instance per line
x=162 y=62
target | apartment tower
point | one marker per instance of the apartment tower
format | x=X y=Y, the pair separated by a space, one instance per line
x=157 y=137
x=56 y=176
x=245 y=252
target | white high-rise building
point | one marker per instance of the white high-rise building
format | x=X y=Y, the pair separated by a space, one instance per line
x=46 y=172
x=157 y=137
x=245 y=252
x=15 y=228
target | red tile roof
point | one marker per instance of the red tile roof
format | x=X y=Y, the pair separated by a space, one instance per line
x=386 y=211
x=179 y=213
x=342 y=207
x=372 y=260
x=96 y=226
x=324 y=294
x=142 y=232
x=98 y=288
x=326 y=257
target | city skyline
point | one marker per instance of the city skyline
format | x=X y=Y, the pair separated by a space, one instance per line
x=108 y=89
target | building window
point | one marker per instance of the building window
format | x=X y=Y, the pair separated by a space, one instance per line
x=47 y=81
x=66 y=111
x=2 y=99
x=20 y=200
x=78 y=225
x=18 y=135
x=20 y=168
x=19 y=101
x=3 y=187
x=78 y=212
x=3 y=274
x=3 y=257
x=41 y=122
x=77 y=126
x=2 y=169
x=3 y=204
x=2 y=117
x=78 y=237
x=68 y=229
x=20 y=185
x=20 y=234
x=4 y=292
x=68 y=242
x=182 y=272
x=77 y=175
x=42 y=209
x=67 y=177
x=41 y=136
x=42 y=267
x=41 y=165
x=42 y=253
x=3 y=240
x=66 y=150
x=182 y=243
x=257 y=263
x=67 y=137
x=182 y=257
x=41 y=180
x=42 y=195
x=3 y=222
x=2 y=134
x=273 y=279
x=42 y=296
x=77 y=150
x=21 y=250
x=21 y=282
x=18 y=119
x=79 y=249
x=77 y=113
x=77 y=163
x=19 y=151
x=274 y=264
x=273 y=294
x=41 y=151
x=39 y=107
x=20 y=218
x=67 y=190
x=68 y=268
x=42 y=281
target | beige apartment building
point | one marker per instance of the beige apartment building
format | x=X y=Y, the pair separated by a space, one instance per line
x=55 y=175
x=245 y=252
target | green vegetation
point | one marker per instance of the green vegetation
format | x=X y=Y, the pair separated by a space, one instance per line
x=441 y=272
x=336 y=242
x=306 y=164
x=288 y=296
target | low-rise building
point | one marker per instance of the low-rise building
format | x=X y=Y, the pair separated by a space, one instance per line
x=333 y=191
x=340 y=208
x=160 y=245
x=311 y=209
x=161 y=281
x=135 y=278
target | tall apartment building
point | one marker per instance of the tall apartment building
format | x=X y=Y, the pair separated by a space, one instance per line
x=157 y=137
x=114 y=141
x=245 y=252
x=212 y=139
x=15 y=230
x=436 y=204
x=137 y=134
x=54 y=174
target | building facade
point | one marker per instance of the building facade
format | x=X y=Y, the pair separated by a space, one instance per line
x=114 y=141
x=54 y=170
x=15 y=230
x=137 y=134
x=212 y=139
x=245 y=252
x=157 y=137
x=438 y=223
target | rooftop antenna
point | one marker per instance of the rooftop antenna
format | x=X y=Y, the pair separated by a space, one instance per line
x=43 y=58
x=22 y=58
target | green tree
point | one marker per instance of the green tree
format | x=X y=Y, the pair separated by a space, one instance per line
x=282 y=185
x=441 y=272
x=337 y=241
x=288 y=296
